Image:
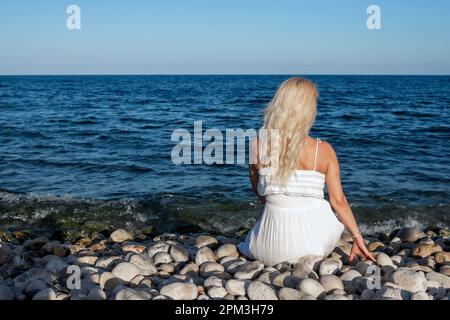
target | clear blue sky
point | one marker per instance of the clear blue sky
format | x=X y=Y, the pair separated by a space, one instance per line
x=225 y=37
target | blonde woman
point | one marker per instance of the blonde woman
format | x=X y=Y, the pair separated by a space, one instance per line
x=297 y=221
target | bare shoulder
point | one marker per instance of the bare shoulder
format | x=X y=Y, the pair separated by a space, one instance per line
x=327 y=150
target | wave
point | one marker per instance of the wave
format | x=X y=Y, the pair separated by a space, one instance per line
x=174 y=212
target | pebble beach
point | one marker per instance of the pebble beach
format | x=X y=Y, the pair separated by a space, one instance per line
x=412 y=264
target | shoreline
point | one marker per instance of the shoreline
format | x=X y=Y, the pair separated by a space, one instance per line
x=412 y=264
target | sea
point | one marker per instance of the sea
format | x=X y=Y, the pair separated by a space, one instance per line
x=81 y=148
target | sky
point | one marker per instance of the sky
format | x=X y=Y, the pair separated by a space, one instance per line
x=224 y=37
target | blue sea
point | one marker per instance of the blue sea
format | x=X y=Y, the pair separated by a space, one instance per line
x=77 y=148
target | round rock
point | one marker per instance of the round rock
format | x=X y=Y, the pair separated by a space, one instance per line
x=120 y=236
x=126 y=271
x=180 y=291
x=260 y=291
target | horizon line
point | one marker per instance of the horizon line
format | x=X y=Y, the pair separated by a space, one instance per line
x=220 y=74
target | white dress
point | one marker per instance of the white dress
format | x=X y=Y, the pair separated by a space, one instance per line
x=297 y=221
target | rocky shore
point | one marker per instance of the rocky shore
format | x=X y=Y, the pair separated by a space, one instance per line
x=412 y=264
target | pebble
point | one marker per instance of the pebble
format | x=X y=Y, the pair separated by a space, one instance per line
x=126 y=271
x=311 y=287
x=162 y=257
x=442 y=257
x=213 y=281
x=171 y=266
x=237 y=287
x=384 y=260
x=144 y=264
x=442 y=279
x=227 y=250
x=410 y=280
x=331 y=282
x=336 y=297
x=289 y=294
x=410 y=234
x=120 y=236
x=249 y=270
x=190 y=269
x=204 y=240
x=180 y=291
x=420 y=296
x=178 y=253
x=425 y=250
x=347 y=277
x=387 y=293
x=45 y=294
x=329 y=266
x=217 y=292
x=309 y=263
x=157 y=247
x=132 y=294
x=209 y=267
x=260 y=291
x=96 y=293
x=204 y=254
x=6 y=293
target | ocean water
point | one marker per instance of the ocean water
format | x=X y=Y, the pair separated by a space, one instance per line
x=75 y=148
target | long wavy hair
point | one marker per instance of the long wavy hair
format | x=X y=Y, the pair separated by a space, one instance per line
x=292 y=112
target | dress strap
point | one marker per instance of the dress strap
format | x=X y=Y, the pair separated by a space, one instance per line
x=317 y=150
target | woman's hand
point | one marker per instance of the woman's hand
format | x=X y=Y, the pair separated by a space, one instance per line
x=359 y=249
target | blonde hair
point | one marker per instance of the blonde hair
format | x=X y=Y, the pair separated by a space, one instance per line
x=292 y=112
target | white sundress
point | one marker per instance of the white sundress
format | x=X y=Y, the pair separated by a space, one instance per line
x=297 y=221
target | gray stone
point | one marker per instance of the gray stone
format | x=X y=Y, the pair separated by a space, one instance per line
x=217 y=292
x=45 y=294
x=420 y=296
x=311 y=287
x=367 y=294
x=96 y=293
x=126 y=271
x=162 y=257
x=120 y=236
x=227 y=250
x=6 y=293
x=331 y=282
x=249 y=271
x=213 y=281
x=410 y=280
x=144 y=264
x=289 y=294
x=237 y=287
x=180 y=291
x=384 y=260
x=329 y=266
x=204 y=254
x=179 y=253
x=335 y=297
x=260 y=291
x=388 y=293
x=410 y=234
x=308 y=263
x=56 y=265
x=204 y=240
x=157 y=247
x=132 y=294
x=442 y=279
x=347 y=277
x=209 y=267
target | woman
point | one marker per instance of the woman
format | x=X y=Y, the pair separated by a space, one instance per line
x=297 y=221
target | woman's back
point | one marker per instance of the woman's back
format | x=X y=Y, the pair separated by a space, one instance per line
x=305 y=181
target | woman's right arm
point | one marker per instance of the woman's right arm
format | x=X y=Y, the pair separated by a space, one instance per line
x=254 y=169
x=340 y=205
